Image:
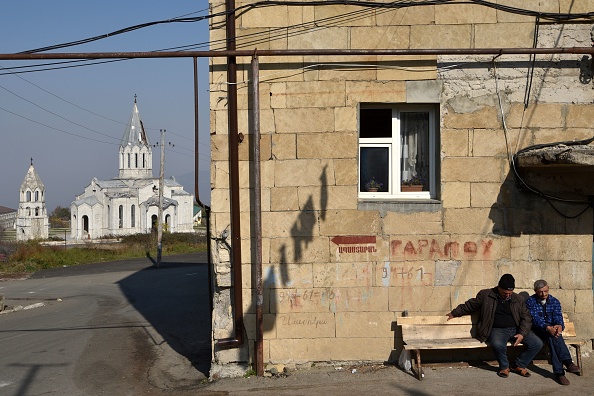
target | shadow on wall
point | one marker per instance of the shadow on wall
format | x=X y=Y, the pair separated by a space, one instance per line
x=301 y=231
x=174 y=300
x=518 y=211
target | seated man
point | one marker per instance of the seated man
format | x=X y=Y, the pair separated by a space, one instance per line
x=503 y=317
x=547 y=323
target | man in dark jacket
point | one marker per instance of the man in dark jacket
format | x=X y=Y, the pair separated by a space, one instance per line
x=547 y=323
x=503 y=318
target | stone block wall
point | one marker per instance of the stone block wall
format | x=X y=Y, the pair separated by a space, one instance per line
x=327 y=300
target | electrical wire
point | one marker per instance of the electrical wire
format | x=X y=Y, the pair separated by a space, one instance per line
x=513 y=163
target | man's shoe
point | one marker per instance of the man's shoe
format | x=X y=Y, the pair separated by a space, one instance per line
x=503 y=373
x=573 y=368
x=522 y=371
x=562 y=380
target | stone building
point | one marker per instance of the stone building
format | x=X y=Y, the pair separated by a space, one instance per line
x=32 y=221
x=7 y=218
x=129 y=204
x=341 y=262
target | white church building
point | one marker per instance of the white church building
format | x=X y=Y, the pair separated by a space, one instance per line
x=32 y=221
x=129 y=204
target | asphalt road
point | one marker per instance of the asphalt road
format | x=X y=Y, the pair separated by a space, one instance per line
x=121 y=328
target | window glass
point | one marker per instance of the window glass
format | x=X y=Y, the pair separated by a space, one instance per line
x=414 y=153
x=398 y=151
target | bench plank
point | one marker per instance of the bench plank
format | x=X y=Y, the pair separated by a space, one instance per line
x=436 y=332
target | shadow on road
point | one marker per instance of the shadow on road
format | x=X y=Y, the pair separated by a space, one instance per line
x=174 y=300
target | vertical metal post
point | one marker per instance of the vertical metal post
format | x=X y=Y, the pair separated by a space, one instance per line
x=161 y=182
x=259 y=347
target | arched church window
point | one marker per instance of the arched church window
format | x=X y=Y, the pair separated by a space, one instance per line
x=121 y=216
x=28 y=196
x=36 y=195
x=136 y=160
x=28 y=211
x=36 y=211
x=133 y=216
x=128 y=160
x=143 y=160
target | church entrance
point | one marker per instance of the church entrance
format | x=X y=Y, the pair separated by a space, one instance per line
x=85 y=224
x=154 y=223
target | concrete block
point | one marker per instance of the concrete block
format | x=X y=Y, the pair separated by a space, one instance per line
x=304 y=120
x=461 y=294
x=485 y=195
x=375 y=92
x=575 y=275
x=336 y=37
x=407 y=16
x=584 y=302
x=425 y=300
x=284 y=146
x=359 y=299
x=470 y=220
x=362 y=252
x=328 y=349
x=325 y=15
x=345 y=119
x=283 y=199
x=289 y=224
x=420 y=69
x=364 y=324
x=303 y=172
x=305 y=325
x=458 y=14
x=476 y=273
x=541 y=115
x=299 y=249
x=327 y=145
x=506 y=17
x=291 y=301
x=283 y=275
x=455 y=142
x=504 y=35
x=265 y=17
x=329 y=197
x=580 y=116
x=561 y=247
x=405 y=273
x=489 y=143
x=380 y=37
x=346 y=171
x=278 y=95
x=316 y=94
x=440 y=36
x=424 y=91
x=472 y=169
x=342 y=275
x=455 y=194
x=421 y=223
x=484 y=117
x=350 y=222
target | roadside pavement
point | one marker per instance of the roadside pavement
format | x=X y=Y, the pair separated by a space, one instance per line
x=377 y=380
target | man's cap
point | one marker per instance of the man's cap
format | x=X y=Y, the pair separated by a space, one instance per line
x=507 y=282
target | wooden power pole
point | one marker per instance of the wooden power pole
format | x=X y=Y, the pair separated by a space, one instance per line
x=161 y=187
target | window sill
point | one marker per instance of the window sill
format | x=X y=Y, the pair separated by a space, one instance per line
x=401 y=205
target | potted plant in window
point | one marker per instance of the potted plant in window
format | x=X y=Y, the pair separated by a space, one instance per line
x=414 y=184
x=373 y=185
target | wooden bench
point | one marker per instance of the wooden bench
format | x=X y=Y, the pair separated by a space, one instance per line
x=436 y=332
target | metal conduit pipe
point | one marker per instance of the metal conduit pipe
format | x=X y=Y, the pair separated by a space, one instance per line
x=196 y=189
x=237 y=340
x=235 y=53
x=259 y=347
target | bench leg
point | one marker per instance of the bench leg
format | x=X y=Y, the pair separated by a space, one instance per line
x=578 y=355
x=419 y=367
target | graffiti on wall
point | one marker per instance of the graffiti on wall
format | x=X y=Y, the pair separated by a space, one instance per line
x=432 y=249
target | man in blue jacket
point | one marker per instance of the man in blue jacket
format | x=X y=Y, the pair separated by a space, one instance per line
x=547 y=323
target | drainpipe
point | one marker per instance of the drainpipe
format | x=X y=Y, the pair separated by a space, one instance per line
x=237 y=340
x=259 y=347
x=196 y=189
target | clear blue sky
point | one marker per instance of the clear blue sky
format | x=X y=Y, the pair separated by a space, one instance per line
x=70 y=120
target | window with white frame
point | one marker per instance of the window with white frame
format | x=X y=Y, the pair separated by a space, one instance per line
x=398 y=151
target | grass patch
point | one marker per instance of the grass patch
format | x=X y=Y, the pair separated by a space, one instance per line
x=31 y=256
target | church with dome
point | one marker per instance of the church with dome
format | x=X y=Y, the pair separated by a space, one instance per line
x=129 y=204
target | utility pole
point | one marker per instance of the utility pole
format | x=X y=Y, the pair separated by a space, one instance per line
x=161 y=182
